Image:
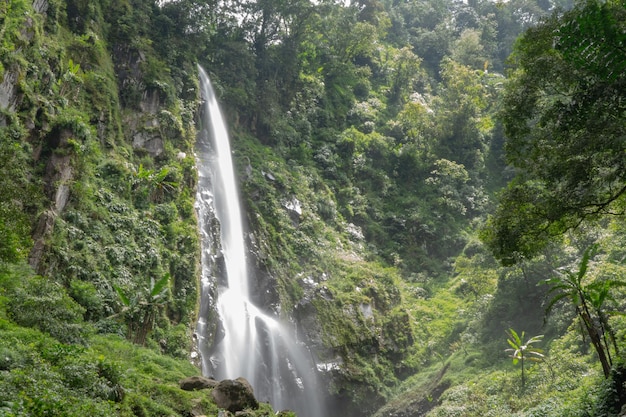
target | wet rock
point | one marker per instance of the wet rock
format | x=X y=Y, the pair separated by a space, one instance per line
x=150 y=102
x=294 y=209
x=58 y=176
x=234 y=395
x=306 y=314
x=194 y=383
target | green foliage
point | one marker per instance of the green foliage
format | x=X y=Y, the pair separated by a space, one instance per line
x=521 y=350
x=141 y=309
x=157 y=184
x=510 y=232
x=87 y=296
x=518 y=301
x=375 y=119
x=565 y=127
x=19 y=195
x=107 y=377
x=588 y=299
x=45 y=305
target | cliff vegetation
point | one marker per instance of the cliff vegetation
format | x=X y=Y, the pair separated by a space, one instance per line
x=427 y=184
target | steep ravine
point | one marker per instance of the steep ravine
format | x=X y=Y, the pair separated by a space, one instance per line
x=369 y=150
x=111 y=144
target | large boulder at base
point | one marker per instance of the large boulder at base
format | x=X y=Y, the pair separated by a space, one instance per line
x=194 y=383
x=234 y=395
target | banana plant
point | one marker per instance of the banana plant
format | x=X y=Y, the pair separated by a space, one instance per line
x=156 y=182
x=588 y=299
x=141 y=309
x=522 y=351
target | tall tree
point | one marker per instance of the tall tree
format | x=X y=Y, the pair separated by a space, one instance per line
x=564 y=115
x=461 y=115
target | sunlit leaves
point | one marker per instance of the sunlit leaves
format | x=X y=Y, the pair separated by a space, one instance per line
x=459 y=110
x=449 y=179
x=468 y=50
x=158 y=183
x=405 y=72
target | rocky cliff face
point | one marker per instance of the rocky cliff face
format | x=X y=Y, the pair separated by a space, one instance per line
x=58 y=171
x=112 y=172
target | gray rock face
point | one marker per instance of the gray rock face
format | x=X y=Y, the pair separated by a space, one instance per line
x=234 y=395
x=40 y=6
x=306 y=315
x=8 y=96
x=57 y=179
x=195 y=383
x=151 y=142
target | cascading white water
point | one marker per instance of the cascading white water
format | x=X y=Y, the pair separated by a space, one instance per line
x=252 y=344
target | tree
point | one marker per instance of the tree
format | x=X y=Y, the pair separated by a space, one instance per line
x=276 y=33
x=468 y=50
x=405 y=71
x=564 y=117
x=343 y=44
x=522 y=350
x=588 y=300
x=461 y=115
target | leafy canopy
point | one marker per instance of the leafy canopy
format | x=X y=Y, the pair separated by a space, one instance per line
x=564 y=117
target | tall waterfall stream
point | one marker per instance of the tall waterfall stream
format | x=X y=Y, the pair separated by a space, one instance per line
x=250 y=343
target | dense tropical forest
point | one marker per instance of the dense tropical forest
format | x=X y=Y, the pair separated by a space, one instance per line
x=434 y=194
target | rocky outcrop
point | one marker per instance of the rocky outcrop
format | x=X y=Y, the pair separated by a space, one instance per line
x=234 y=395
x=40 y=6
x=58 y=176
x=142 y=125
x=8 y=94
x=195 y=383
x=419 y=400
x=306 y=314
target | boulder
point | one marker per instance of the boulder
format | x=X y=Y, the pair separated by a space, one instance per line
x=234 y=395
x=194 y=383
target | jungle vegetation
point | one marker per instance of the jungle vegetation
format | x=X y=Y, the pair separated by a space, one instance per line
x=460 y=171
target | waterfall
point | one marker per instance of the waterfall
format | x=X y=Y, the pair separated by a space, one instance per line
x=249 y=342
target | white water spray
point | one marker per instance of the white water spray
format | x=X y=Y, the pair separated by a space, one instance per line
x=251 y=343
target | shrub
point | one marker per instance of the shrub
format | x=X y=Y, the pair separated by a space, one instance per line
x=45 y=305
x=86 y=294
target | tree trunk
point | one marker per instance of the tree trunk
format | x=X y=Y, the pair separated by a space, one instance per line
x=596 y=340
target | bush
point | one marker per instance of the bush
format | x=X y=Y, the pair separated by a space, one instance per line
x=87 y=296
x=45 y=305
